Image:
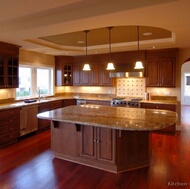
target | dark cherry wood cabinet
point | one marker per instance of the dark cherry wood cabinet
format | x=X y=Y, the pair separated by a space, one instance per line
x=9 y=126
x=69 y=102
x=63 y=71
x=47 y=106
x=161 y=68
x=169 y=130
x=9 y=65
x=97 y=144
x=104 y=148
x=77 y=74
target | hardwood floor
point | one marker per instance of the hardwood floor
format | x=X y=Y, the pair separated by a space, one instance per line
x=30 y=164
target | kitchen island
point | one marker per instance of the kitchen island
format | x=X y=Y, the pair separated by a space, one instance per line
x=115 y=139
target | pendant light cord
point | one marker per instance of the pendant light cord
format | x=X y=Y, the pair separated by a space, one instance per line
x=86 y=32
x=138 y=41
x=110 y=42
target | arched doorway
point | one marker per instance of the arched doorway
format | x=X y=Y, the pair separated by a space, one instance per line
x=185 y=83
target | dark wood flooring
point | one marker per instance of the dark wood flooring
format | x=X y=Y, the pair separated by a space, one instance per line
x=30 y=164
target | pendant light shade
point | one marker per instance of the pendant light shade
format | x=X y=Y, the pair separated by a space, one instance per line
x=110 y=65
x=86 y=66
x=138 y=64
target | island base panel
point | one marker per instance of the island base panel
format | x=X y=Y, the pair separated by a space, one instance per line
x=131 y=148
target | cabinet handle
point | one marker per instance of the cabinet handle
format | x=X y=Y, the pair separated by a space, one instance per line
x=11 y=120
x=94 y=140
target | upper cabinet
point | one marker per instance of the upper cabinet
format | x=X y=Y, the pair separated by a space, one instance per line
x=9 y=65
x=63 y=71
x=161 y=68
x=98 y=76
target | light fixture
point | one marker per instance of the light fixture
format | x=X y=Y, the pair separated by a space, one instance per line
x=138 y=64
x=86 y=65
x=110 y=65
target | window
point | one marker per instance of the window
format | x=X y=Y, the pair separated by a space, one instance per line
x=34 y=80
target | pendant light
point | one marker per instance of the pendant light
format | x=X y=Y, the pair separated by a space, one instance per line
x=110 y=65
x=138 y=64
x=86 y=66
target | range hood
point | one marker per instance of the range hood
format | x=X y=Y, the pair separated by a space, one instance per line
x=125 y=71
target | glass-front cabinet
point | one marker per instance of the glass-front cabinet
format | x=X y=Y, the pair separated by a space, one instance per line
x=8 y=71
x=67 y=75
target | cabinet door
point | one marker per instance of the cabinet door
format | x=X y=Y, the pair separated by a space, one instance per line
x=57 y=104
x=69 y=102
x=95 y=74
x=105 y=79
x=42 y=123
x=86 y=78
x=65 y=139
x=106 y=145
x=8 y=71
x=77 y=74
x=3 y=72
x=167 y=72
x=152 y=72
x=88 y=142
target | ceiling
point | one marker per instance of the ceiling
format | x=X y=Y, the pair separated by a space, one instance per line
x=57 y=27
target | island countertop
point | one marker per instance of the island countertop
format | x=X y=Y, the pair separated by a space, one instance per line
x=123 y=118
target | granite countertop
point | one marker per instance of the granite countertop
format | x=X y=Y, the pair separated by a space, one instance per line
x=122 y=118
x=17 y=104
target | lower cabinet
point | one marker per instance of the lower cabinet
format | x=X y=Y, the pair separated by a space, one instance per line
x=97 y=143
x=171 y=130
x=47 y=106
x=103 y=148
x=9 y=126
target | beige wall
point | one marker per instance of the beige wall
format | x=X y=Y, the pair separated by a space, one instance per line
x=35 y=58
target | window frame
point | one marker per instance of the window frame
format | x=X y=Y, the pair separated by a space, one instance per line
x=34 y=80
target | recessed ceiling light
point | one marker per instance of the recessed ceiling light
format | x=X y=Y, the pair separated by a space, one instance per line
x=147 y=33
x=80 y=42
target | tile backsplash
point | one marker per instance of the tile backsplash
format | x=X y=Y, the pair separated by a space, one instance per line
x=130 y=87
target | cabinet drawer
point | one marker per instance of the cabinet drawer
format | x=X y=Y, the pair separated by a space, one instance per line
x=9 y=138
x=9 y=120
x=9 y=128
x=10 y=112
